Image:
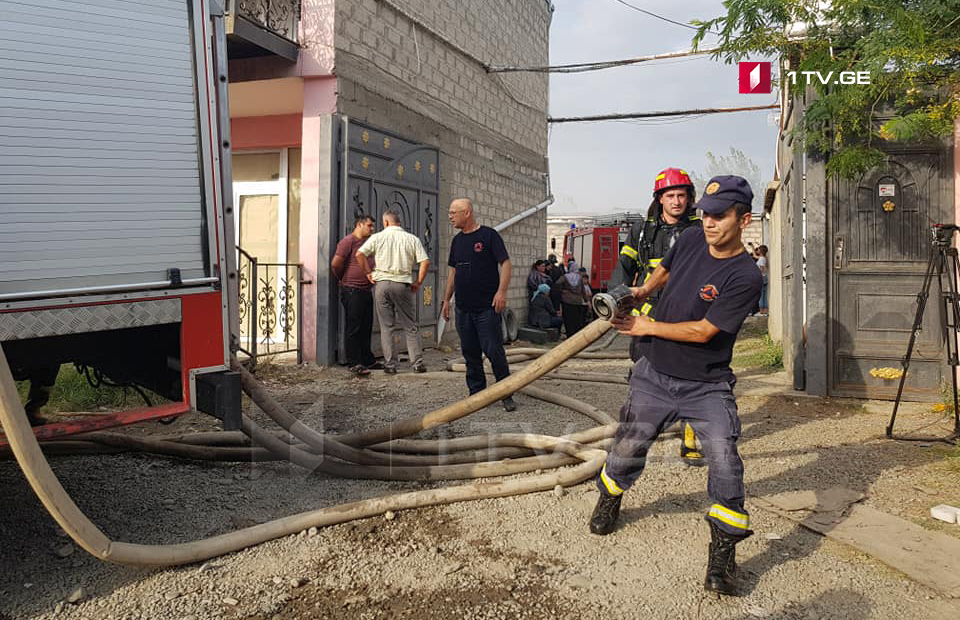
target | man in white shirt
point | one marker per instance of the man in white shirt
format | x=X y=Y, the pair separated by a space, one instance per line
x=395 y=291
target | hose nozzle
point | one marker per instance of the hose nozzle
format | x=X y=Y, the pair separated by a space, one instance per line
x=618 y=300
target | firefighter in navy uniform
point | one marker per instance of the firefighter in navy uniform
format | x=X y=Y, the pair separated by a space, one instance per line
x=670 y=213
x=710 y=284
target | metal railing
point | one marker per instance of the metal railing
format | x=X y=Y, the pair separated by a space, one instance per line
x=270 y=307
x=278 y=16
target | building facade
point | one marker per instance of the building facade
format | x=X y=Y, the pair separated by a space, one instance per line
x=848 y=259
x=388 y=104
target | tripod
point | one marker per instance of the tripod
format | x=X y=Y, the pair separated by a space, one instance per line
x=943 y=258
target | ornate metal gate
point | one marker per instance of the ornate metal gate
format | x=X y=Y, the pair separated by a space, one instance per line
x=384 y=171
x=270 y=307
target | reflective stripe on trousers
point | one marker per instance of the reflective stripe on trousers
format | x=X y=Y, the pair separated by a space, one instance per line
x=655 y=403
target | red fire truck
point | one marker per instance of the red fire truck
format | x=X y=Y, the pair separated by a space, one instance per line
x=116 y=232
x=597 y=247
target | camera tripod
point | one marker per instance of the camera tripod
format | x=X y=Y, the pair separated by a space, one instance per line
x=943 y=261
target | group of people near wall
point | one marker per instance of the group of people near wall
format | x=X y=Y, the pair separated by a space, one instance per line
x=375 y=271
x=558 y=296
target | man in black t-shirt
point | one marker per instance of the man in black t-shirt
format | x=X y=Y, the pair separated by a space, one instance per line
x=712 y=284
x=480 y=276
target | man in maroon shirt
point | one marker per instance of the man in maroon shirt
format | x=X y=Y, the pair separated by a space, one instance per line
x=356 y=296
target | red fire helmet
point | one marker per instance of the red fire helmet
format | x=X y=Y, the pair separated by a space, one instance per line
x=671 y=177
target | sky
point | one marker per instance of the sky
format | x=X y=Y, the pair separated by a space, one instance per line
x=606 y=167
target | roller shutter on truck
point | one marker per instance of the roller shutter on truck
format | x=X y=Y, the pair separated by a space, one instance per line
x=101 y=185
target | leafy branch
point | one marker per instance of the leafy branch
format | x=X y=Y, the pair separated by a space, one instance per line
x=911 y=49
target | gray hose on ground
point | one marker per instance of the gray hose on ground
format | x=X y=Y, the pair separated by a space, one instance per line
x=603 y=343
x=474 y=442
x=27 y=451
x=589 y=377
x=561 y=375
x=326 y=444
x=417 y=473
x=380 y=466
x=227 y=446
x=583 y=355
x=180 y=450
x=52 y=494
x=498 y=391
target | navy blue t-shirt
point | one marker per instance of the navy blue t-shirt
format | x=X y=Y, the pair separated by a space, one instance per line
x=723 y=291
x=476 y=257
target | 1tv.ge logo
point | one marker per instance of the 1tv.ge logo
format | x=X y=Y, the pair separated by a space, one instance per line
x=755 y=78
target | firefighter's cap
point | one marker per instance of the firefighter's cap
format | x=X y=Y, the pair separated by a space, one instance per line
x=723 y=192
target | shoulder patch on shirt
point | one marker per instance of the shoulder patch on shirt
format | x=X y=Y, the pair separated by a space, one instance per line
x=709 y=292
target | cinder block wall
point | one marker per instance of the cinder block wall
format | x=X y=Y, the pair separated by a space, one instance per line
x=416 y=67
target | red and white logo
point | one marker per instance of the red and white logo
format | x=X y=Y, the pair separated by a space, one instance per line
x=478 y=247
x=755 y=78
x=709 y=292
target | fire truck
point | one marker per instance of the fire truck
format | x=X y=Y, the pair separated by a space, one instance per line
x=597 y=247
x=116 y=231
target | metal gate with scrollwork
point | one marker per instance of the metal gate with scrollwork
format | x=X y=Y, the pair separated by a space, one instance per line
x=269 y=307
x=384 y=171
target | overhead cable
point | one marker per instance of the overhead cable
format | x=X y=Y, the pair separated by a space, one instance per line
x=661 y=17
x=632 y=115
x=597 y=66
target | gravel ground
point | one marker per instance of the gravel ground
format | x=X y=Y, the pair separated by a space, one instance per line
x=521 y=557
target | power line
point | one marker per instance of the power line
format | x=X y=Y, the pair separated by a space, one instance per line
x=633 y=115
x=661 y=17
x=597 y=66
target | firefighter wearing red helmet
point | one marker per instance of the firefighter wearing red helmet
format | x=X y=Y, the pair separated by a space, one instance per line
x=670 y=213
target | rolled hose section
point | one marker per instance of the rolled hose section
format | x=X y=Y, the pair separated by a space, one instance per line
x=27 y=451
x=90 y=538
x=234 y=446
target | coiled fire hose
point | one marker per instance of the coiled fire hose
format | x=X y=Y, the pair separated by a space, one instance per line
x=354 y=455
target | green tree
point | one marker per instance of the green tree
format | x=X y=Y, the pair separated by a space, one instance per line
x=735 y=163
x=911 y=48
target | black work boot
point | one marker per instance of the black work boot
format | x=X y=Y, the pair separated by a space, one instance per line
x=38 y=397
x=721 y=562
x=605 y=513
x=509 y=404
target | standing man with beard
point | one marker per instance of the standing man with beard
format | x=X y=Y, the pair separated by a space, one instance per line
x=711 y=285
x=670 y=213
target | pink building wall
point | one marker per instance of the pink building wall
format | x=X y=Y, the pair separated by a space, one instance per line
x=320 y=102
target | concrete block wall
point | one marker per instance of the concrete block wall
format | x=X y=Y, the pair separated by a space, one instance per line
x=499 y=191
x=440 y=48
x=499 y=185
x=415 y=67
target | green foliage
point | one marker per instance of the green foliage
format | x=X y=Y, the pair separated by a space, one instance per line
x=911 y=48
x=72 y=392
x=735 y=163
x=755 y=350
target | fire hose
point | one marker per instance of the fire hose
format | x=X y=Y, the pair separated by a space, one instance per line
x=369 y=454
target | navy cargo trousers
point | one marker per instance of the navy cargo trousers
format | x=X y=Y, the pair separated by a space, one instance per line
x=655 y=403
